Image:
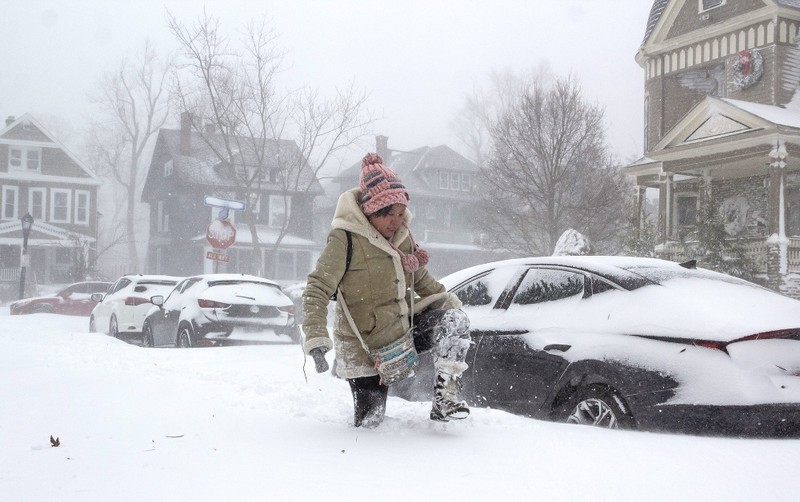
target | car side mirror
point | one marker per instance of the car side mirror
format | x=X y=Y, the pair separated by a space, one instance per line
x=157 y=300
x=97 y=297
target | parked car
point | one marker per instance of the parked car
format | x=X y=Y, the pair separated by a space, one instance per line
x=75 y=299
x=630 y=343
x=221 y=309
x=121 y=311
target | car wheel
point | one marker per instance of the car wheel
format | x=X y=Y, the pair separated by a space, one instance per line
x=147 y=335
x=42 y=309
x=113 y=328
x=185 y=337
x=92 y=325
x=599 y=406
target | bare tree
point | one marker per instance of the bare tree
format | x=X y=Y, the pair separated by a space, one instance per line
x=270 y=141
x=134 y=105
x=549 y=169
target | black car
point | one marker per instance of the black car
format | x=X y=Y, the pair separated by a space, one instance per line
x=220 y=309
x=631 y=343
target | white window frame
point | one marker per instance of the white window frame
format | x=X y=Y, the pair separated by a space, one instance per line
x=24 y=159
x=276 y=203
x=701 y=9
x=466 y=182
x=15 y=208
x=79 y=194
x=168 y=168
x=444 y=180
x=42 y=213
x=53 y=193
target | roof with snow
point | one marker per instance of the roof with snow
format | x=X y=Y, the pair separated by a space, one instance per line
x=419 y=168
x=204 y=167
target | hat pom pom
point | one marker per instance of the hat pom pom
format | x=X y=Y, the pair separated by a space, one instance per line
x=410 y=263
x=422 y=257
x=371 y=158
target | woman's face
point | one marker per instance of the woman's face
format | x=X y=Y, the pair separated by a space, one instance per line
x=387 y=225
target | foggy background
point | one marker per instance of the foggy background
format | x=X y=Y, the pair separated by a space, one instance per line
x=416 y=59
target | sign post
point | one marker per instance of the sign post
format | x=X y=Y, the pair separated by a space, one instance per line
x=221 y=233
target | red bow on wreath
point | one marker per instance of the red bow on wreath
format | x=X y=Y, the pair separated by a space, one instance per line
x=745 y=62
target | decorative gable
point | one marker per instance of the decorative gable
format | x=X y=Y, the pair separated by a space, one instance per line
x=715 y=126
x=711 y=119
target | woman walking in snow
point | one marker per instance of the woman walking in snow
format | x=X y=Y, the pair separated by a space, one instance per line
x=375 y=268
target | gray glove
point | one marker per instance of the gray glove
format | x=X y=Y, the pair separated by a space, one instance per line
x=319 y=359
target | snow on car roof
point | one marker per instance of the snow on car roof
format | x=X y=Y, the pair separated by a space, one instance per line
x=236 y=277
x=604 y=265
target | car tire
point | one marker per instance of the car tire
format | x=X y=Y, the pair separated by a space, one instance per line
x=599 y=406
x=113 y=327
x=185 y=338
x=42 y=309
x=147 y=335
x=92 y=325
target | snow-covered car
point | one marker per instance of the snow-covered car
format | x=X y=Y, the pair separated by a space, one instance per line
x=121 y=311
x=633 y=343
x=75 y=299
x=221 y=309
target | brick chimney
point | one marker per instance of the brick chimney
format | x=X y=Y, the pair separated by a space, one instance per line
x=186 y=133
x=382 y=147
x=10 y=120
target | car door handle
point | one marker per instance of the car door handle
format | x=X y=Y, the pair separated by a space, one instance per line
x=557 y=346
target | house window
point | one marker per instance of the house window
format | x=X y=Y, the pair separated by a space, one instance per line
x=168 y=168
x=280 y=209
x=686 y=210
x=646 y=121
x=60 y=201
x=793 y=211
x=466 y=182
x=36 y=203
x=10 y=202
x=710 y=4
x=24 y=159
x=444 y=180
x=162 y=218
x=455 y=181
x=81 y=207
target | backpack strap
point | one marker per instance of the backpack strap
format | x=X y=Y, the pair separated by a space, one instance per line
x=347 y=260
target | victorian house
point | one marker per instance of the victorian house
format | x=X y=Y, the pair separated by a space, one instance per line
x=186 y=181
x=40 y=177
x=442 y=184
x=722 y=128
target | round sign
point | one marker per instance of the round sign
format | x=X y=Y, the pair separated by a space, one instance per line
x=221 y=234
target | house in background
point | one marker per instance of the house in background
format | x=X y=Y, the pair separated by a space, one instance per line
x=441 y=183
x=185 y=169
x=722 y=127
x=39 y=176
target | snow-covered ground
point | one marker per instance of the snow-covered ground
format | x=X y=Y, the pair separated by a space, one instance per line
x=243 y=423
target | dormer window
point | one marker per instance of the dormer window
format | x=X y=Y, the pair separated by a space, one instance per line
x=710 y=4
x=24 y=159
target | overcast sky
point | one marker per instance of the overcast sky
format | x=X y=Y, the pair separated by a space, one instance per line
x=417 y=59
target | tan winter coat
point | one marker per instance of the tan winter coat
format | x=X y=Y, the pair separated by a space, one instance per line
x=375 y=289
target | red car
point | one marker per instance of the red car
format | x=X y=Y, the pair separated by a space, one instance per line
x=75 y=299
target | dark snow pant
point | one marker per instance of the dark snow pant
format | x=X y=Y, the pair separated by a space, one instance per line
x=444 y=331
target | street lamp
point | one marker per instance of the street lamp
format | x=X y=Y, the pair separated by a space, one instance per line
x=27 y=223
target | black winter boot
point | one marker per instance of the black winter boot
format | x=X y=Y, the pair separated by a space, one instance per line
x=369 y=401
x=446 y=405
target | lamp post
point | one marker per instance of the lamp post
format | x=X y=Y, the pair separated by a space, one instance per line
x=27 y=223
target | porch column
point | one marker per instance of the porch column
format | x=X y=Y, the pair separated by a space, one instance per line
x=664 y=207
x=777 y=243
x=638 y=210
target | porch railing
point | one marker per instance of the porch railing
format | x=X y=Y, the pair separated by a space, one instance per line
x=756 y=249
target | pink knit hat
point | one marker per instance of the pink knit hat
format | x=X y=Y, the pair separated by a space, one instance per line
x=380 y=186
